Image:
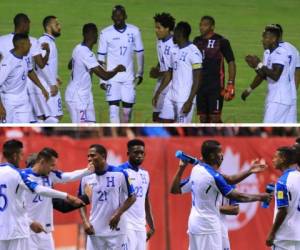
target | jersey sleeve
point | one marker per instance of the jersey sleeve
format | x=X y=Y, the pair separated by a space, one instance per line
x=297 y=59
x=126 y=185
x=282 y=199
x=185 y=185
x=196 y=58
x=102 y=49
x=89 y=60
x=227 y=50
x=62 y=177
x=280 y=57
x=35 y=48
x=138 y=43
x=222 y=185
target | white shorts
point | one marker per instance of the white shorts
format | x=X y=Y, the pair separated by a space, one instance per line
x=292 y=115
x=53 y=107
x=172 y=111
x=136 y=239
x=41 y=241
x=81 y=113
x=205 y=241
x=17 y=244
x=107 y=243
x=21 y=113
x=286 y=245
x=276 y=112
x=225 y=243
x=120 y=91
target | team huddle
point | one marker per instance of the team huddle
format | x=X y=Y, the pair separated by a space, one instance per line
x=189 y=75
x=120 y=205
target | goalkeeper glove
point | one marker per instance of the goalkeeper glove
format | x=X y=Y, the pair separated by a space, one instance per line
x=229 y=91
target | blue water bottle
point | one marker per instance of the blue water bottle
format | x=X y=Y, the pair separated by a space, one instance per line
x=269 y=189
x=184 y=157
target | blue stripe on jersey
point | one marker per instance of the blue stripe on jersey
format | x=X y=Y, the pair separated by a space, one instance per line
x=231 y=201
x=138 y=51
x=222 y=185
x=282 y=197
x=101 y=53
x=79 y=191
x=57 y=173
x=127 y=165
x=30 y=184
x=184 y=181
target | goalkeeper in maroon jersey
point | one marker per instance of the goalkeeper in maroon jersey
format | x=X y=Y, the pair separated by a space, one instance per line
x=213 y=91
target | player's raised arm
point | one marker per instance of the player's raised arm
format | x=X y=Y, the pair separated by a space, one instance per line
x=177 y=183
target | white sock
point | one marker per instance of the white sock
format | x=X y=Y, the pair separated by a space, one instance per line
x=114 y=114
x=51 y=119
x=127 y=115
x=40 y=120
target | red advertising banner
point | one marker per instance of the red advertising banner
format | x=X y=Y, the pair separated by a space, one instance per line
x=248 y=230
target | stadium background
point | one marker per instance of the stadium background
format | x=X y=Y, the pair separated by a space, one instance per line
x=248 y=230
x=241 y=22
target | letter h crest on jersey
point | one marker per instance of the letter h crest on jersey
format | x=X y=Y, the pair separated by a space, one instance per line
x=110 y=181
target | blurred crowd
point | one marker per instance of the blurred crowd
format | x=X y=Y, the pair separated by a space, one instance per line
x=132 y=132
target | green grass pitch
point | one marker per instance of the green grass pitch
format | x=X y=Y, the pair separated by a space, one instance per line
x=240 y=21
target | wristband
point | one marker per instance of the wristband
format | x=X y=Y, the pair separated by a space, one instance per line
x=249 y=89
x=259 y=66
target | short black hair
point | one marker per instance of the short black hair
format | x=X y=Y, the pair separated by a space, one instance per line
x=19 y=36
x=100 y=149
x=165 y=19
x=135 y=142
x=46 y=154
x=120 y=8
x=209 y=147
x=274 y=31
x=184 y=28
x=276 y=25
x=209 y=18
x=11 y=147
x=289 y=153
x=47 y=20
x=88 y=27
x=20 y=19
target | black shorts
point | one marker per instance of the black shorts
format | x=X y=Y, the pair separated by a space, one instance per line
x=209 y=103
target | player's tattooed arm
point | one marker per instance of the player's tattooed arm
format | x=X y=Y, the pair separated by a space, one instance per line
x=280 y=217
x=175 y=186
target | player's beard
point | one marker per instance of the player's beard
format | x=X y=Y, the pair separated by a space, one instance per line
x=55 y=34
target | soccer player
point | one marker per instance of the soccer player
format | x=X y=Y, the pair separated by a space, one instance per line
x=14 y=221
x=140 y=212
x=206 y=185
x=106 y=227
x=285 y=233
x=40 y=209
x=51 y=110
x=15 y=67
x=294 y=73
x=117 y=45
x=78 y=96
x=164 y=26
x=212 y=92
x=22 y=25
x=185 y=73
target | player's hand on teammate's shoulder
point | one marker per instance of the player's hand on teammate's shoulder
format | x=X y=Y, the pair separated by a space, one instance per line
x=37 y=227
x=154 y=72
x=53 y=90
x=103 y=86
x=150 y=233
x=75 y=201
x=138 y=80
x=88 y=228
x=114 y=221
x=187 y=106
x=45 y=46
x=258 y=165
x=120 y=68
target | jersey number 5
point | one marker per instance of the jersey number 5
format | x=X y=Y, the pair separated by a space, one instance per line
x=3 y=205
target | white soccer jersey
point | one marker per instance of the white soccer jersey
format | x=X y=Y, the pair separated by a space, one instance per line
x=183 y=61
x=280 y=91
x=118 y=47
x=206 y=186
x=136 y=215
x=109 y=190
x=40 y=208
x=80 y=85
x=48 y=74
x=287 y=194
x=14 y=221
